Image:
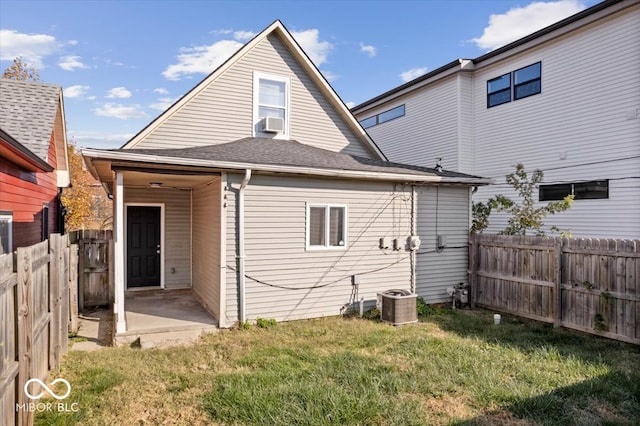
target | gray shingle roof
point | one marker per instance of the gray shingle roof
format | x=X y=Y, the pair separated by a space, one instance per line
x=264 y=151
x=27 y=112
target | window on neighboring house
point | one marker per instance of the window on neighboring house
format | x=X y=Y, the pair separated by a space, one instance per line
x=521 y=83
x=499 y=90
x=6 y=232
x=580 y=190
x=45 y=222
x=383 y=117
x=526 y=81
x=271 y=99
x=326 y=226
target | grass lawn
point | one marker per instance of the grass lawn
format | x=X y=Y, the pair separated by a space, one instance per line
x=453 y=368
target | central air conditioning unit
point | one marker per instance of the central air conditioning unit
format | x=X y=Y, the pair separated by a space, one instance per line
x=398 y=306
x=273 y=125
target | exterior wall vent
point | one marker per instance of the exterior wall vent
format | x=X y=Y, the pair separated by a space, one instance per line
x=273 y=125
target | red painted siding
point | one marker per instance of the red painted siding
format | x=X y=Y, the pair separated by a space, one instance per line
x=24 y=194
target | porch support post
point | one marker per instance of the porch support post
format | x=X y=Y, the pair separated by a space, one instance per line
x=118 y=202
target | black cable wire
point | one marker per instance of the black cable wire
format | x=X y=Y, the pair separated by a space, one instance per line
x=318 y=285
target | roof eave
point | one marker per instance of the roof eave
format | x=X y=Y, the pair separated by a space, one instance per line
x=23 y=156
x=126 y=157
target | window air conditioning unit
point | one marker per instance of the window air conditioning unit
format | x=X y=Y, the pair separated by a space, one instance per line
x=273 y=125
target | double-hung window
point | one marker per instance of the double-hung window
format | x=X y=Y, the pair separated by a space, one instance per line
x=271 y=99
x=515 y=85
x=326 y=226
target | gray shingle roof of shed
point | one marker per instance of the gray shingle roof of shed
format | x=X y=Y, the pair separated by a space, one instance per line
x=264 y=151
x=27 y=112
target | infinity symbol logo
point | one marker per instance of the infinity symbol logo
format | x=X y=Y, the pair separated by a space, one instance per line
x=48 y=389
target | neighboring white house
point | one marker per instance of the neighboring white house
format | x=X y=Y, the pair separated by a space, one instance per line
x=565 y=100
x=260 y=193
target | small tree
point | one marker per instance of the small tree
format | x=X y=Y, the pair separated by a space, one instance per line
x=86 y=201
x=524 y=216
x=20 y=70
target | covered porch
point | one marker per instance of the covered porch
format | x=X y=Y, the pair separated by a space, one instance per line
x=167 y=252
x=159 y=318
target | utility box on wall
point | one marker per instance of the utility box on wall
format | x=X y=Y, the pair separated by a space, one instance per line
x=398 y=306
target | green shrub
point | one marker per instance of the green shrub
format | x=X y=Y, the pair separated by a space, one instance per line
x=423 y=309
x=266 y=323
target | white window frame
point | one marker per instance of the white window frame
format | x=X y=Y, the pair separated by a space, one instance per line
x=257 y=76
x=327 y=213
x=8 y=216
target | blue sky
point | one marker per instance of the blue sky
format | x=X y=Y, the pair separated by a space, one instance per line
x=121 y=63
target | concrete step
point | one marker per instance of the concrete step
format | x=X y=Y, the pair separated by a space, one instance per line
x=163 y=338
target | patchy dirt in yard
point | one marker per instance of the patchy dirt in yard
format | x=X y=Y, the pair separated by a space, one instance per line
x=95 y=330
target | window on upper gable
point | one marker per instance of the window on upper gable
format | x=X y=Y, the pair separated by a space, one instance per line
x=515 y=85
x=271 y=106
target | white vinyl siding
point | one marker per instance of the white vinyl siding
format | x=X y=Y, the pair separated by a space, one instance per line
x=223 y=111
x=426 y=132
x=275 y=238
x=583 y=126
x=177 y=249
x=206 y=237
x=442 y=211
x=585 y=114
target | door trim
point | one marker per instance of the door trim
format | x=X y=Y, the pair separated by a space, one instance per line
x=162 y=245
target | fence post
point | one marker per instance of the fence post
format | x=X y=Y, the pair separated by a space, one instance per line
x=81 y=266
x=25 y=330
x=54 y=302
x=473 y=259
x=557 y=316
x=72 y=279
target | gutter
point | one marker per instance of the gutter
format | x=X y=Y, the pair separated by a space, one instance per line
x=300 y=170
x=241 y=253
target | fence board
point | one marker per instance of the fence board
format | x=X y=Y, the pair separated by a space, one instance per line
x=585 y=284
x=34 y=317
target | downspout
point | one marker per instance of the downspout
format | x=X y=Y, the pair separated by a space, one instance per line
x=413 y=235
x=241 y=268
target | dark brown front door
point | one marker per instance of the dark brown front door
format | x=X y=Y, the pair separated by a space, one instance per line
x=143 y=246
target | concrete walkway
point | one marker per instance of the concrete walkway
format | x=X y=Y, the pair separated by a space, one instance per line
x=96 y=327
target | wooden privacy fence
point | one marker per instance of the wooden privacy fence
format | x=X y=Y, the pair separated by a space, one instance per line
x=37 y=290
x=95 y=285
x=589 y=285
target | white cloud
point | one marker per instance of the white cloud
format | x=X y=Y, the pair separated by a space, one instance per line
x=205 y=59
x=316 y=50
x=162 y=103
x=119 y=92
x=201 y=59
x=91 y=139
x=521 y=21
x=412 y=73
x=350 y=104
x=72 y=42
x=31 y=47
x=123 y=112
x=75 y=91
x=161 y=91
x=368 y=49
x=69 y=63
x=243 y=35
